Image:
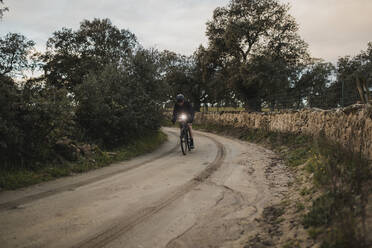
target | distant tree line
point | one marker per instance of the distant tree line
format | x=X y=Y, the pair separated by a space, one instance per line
x=256 y=58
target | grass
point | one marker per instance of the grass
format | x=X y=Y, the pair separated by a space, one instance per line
x=18 y=178
x=306 y=191
x=215 y=109
x=300 y=207
x=342 y=179
x=314 y=232
x=223 y=109
x=320 y=213
x=291 y=244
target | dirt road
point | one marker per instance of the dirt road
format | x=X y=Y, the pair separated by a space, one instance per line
x=209 y=198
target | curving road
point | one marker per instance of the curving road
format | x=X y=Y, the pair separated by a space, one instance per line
x=209 y=198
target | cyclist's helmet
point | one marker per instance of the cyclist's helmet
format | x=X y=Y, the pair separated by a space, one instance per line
x=180 y=98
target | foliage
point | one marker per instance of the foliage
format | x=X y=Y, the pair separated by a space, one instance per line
x=321 y=212
x=314 y=85
x=71 y=55
x=255 y=58
x=349 y=69
x=108 y=111
x=15 y=52
x=177 y=71
x=98 y=86
x=251 y=38
x=33 y=118
x=21 y=177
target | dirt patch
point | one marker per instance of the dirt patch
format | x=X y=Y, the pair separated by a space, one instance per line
x=280 y=226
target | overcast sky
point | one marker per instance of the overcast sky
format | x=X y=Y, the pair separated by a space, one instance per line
x=332 y=28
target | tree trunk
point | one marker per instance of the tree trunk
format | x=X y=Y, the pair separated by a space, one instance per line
x=253 y=104
x=360 y=90
x=197 y=105
x=367 y=95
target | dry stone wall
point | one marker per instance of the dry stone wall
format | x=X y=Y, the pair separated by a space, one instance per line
x=351 y=127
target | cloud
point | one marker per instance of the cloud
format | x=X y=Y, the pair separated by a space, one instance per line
x=177 y=25
x=332 y=28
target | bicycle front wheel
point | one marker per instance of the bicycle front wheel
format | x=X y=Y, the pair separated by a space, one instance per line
x=188 y=140
x=184 y=143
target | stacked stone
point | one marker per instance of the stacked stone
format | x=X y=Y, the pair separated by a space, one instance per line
x=350 y=127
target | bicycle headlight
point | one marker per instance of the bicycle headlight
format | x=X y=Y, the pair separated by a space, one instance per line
x=183 y=117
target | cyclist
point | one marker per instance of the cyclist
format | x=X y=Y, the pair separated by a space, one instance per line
x=183 y=106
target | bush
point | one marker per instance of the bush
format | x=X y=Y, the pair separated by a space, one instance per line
x=114 y=108
x=32 y=119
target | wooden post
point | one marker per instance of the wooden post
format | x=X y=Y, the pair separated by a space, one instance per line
x=367 y=95
x=360 y=90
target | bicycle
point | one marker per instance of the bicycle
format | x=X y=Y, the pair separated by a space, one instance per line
x=185 y=137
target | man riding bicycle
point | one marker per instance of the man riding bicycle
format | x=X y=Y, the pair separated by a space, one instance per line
x=184 y=107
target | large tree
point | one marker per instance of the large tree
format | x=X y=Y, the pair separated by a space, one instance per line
x=188 y=75
x=176 y=72
x=15 y=54
x=71 y=55
x=249 y=34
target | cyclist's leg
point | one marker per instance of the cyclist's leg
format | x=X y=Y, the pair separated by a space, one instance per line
x=191 y=136
x=190 y=127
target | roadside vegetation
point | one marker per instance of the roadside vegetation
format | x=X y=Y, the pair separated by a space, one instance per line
x=334 y=190
x=19 y=177
x=99 y=91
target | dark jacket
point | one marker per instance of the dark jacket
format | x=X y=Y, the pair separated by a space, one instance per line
x=185 y=108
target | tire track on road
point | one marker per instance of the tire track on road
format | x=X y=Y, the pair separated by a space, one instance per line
x=126 y=224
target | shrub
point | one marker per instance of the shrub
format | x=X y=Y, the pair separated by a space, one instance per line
x=32 y=118
x=113 y=108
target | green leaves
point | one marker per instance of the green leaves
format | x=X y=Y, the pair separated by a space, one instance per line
x=99 y=86
x=257 y=44
x=32 y=120
x=15 y=52
x=118 y=104
x=71 y=55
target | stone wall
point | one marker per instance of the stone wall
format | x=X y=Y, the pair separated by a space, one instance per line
x=351 y=127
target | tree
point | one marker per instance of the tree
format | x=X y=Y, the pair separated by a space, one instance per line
x=176 y=73
x=32 y=119
x=352 y=71
x=247 y=33
x=71 y=55
x=195 y=76
x=115 y=106
x=315 y=85
x=3 y=9
x=363 y=75
x=15 y=54
x=99 y=86
x=201 y=74
x=145 y=68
